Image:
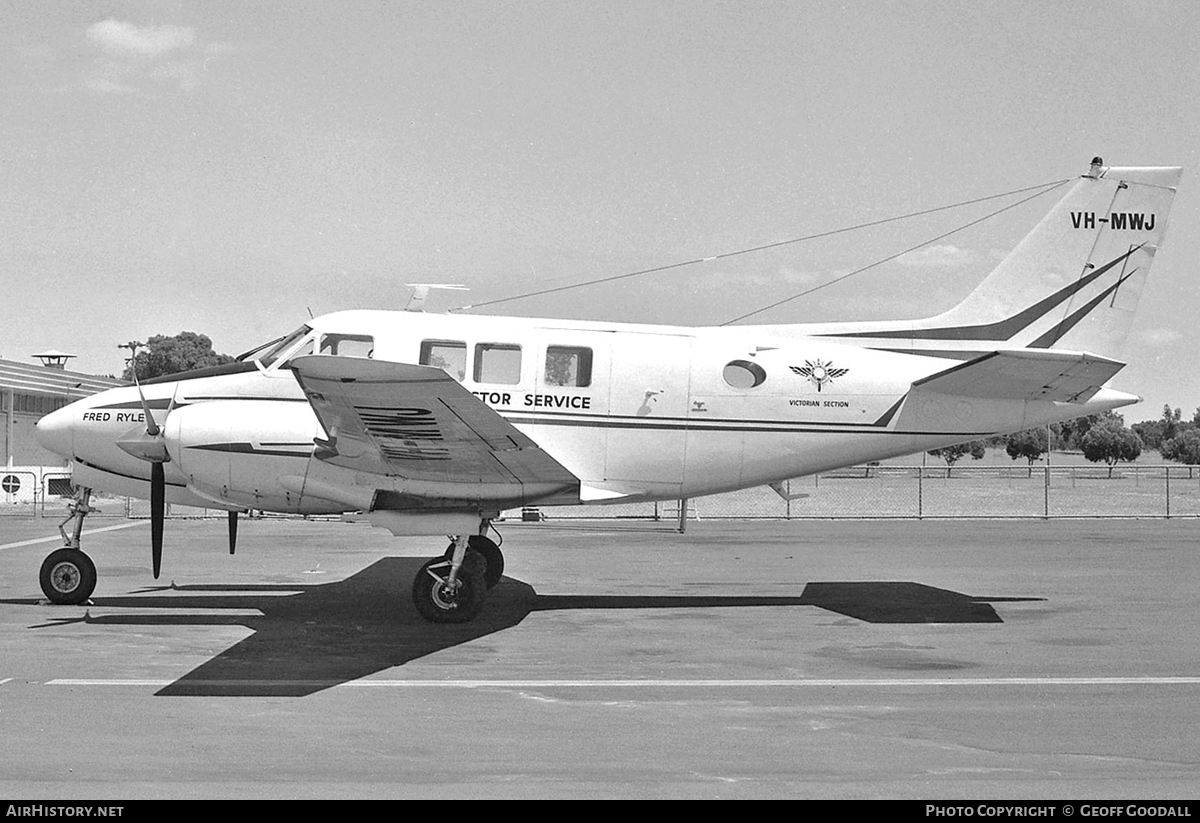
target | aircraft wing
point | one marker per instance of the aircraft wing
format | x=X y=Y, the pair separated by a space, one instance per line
x=1026 y=374
x=418 y=423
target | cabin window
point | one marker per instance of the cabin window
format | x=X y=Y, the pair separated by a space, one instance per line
x=348 y=345
x=742 y=374
x=498 y=363
x=568 y=366
x=448 y=355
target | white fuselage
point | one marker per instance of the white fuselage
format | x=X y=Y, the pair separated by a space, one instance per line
x=661 y=412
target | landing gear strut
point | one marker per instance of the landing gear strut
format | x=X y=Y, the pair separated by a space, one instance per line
x=68 y=576
x=451 y=588
x=491 y=554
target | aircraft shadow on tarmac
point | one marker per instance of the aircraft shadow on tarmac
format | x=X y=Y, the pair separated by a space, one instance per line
x=311 y=638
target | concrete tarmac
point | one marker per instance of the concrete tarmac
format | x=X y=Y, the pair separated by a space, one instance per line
x=850 y=659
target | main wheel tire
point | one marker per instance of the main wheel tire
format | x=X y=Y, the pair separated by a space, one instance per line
x=489 y=551
x=491 y=554
x=68 y=577
x=438 y=603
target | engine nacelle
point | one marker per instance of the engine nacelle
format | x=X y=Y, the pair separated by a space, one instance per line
x=236 y=451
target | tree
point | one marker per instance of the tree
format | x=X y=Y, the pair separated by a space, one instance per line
x=1069 y=433
x=1168 y=426
x=1030 y=444
x=1183 y=448
x=1170 y=421
x=1108 y=441
x=1151 y=432
x=162 y=355
x=952 y=454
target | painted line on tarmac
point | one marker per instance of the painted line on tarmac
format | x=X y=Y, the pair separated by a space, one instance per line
x=58 y=538
x=661 y=684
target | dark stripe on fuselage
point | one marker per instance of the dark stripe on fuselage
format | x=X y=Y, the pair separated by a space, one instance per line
x=890 y=413
x=204 y=398
x=145 y=479
x=211 y=371
x=160 y=403
x=250 y=448
x=682 y=424
x=747 y=427
x=165 y=403
x=944 y=354
x=1001 y=330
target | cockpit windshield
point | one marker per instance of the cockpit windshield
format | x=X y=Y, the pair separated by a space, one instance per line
x=249 y=355
x=271 y=355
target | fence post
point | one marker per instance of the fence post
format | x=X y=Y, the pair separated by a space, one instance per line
x=1049 y=452
x=921 y=489
x=1168 y=468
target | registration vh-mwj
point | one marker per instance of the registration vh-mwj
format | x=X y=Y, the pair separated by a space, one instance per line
x=434 y=424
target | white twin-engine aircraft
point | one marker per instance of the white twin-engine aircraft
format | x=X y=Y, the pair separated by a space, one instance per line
x=433 y=424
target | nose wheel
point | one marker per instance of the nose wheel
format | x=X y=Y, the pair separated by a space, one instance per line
x=68 y=576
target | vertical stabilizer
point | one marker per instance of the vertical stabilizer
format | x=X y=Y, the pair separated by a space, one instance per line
x=1075 y=280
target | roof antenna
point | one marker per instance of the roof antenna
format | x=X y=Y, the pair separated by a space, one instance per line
x=421 y=291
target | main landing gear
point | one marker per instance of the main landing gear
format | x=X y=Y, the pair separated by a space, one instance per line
x=452 y=588
x=68 y=576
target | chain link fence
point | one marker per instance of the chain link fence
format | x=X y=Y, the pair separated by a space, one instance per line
x=859 y=492
x=937 y=492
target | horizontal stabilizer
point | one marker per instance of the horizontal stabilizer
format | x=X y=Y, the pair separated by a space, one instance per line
x=1026 y=374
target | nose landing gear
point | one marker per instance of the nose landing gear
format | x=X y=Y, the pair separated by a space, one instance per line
x=68 y=576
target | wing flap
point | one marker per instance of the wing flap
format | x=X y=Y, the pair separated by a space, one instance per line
x=1026 y=374
x=480 y=419
x=417 y=423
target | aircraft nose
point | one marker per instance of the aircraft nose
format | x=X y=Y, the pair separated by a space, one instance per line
x=56 y=430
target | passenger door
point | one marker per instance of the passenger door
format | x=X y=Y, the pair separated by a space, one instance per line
x=648 y=405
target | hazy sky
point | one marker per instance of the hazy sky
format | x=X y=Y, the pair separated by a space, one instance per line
x=226 y=167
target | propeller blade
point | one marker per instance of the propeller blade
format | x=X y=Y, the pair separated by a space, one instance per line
x=158 y=492
x=233 y=518
x=151 y=427
x=171 y=405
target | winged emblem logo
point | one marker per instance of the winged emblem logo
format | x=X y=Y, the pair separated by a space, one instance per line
x=819 y=372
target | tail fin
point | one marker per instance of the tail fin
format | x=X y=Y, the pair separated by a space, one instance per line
x=1075 y=280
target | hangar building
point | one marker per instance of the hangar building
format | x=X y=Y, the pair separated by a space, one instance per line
x=29 y=392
